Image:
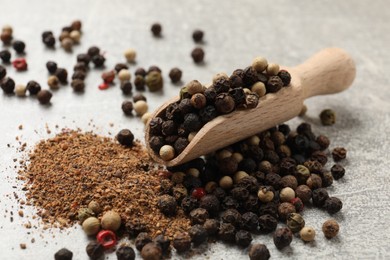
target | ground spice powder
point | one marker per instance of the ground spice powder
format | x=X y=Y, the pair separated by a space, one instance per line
x=68 y=171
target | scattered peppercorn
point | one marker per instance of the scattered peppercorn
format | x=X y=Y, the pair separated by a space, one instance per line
x=328 y=117
x=126 y=87
x=62 y=75
x=151 y=251
x=337 y=171
x=95 y=250
x=93 y=51
x=63 y=254
x=197 y=36
x=259 y=252
x=18 y=46
x=125 y=137
x=330 y=228
x=333 y=205
x=78 y=85
x=3 y=72
x=282 y=237
x=5 y=56
x=127 y=107
x=53 y=82
x=125 y=253
x=156 y=29
x=175 y=75
x=8 y=85
x=197 y=55
x=98 y=60
x=307 y=234
x=139 y=82
x=339 y=153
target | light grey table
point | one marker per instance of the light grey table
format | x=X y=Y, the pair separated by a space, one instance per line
x=286 y=32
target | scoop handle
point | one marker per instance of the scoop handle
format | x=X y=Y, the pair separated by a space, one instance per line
x=329 y=71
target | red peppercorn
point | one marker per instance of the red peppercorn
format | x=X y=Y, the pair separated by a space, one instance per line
x=297 y=202
x=198 y=193
x=20 y=64
x=103 y=86
x=106 y=238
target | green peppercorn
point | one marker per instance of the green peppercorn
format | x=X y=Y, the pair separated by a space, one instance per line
x=85 y=213
x=295 y=222
x=154 y=81
x=328 y=117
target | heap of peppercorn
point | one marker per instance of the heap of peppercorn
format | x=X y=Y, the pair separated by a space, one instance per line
x=173 y=130
x=70 y=35
x=250 y=186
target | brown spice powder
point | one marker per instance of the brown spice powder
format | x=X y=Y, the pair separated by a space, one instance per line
x=64 y=173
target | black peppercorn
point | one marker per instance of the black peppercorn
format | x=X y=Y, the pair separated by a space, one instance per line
x=199 y=216
x=243 y=238
x=167 y=205
x=327 y=179
x=79 y=74
x=198 y=234
x=125 y=253
x=134 y=227
x=141 y=240
x=231 y=216
x=8 y=85
x=18 y=46
x=62 y=75
x=247 y=165
x=284 y=128
x=95 y=250
x=166 y=186
x=240 y=193
x=333 y=205
x=168 y=128
x=3 y=72
x=304 y=193
x=44 y=96
x=197 y=36
x=339 y=153
x=189 y=203
x=164 y=243
x=210 y=95
x=230 y=203
x=251 y=100
x=210 y=203
x=127 y=107
x=156 y=142
x=227 y=232
x=181 y=242
x=173 y=113
x=323 y=142
x=320 y=157
x=313 y=166
x=314 y=181
x=221 y=85
x=151 y=251
x=249 y=76
x=84 y=57
x=63 y=254
x=273 y=180
x=285 y=77
x=224 y=103
x=140 y=72
x=337 y=171
x=208 y=113
x=175 y=75
x=274 y=84
x=93 y=51
x=49 y=41
x=120 y=66
x=270 y=208
x=211 y=226
x=78 y=85
x=259 y=252
x=285 y=209
x=125 y=137
x=239 y=97
x=249 y=221
x=5 y=56
x=192 y=122
x=156 y=29
x=235 y=81
x=33 y=87
x=319 y=196
x=197 y=55
x=98 y=60
x=267 y=223
x=180 y=144
x=282 y=237
x=250 y=183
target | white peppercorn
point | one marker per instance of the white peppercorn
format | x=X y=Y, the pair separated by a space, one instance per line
x=194 y=87
x=287 y=194
x=75 y=36
x=124 y=75
x=307 y=234
x=67 y=44
x=111 y=220
x=210 y=186
x=220 y=75
x=146 y=117
x=259 y=88
x=265 y=194
x=237 y=157
x=130 y=55
x=259 y=64
x=140 y=107
x=273 y=69
x=91 y=226
x=20 y=90
x=191 y=136
x=254 y=140
x=238 y=176
x=53 y=82
x=167 y=152
x=224 y=154
x=226 y=182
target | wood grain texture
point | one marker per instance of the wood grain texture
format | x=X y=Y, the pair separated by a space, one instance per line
x=329 y=71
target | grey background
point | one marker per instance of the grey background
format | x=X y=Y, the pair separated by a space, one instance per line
x=286 y=32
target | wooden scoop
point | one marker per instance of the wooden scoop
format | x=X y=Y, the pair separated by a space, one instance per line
x=329 y=71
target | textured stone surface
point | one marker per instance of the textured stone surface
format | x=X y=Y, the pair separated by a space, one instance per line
x=286 y=32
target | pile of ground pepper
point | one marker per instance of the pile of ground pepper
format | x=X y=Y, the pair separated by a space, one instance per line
x=66 y=172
